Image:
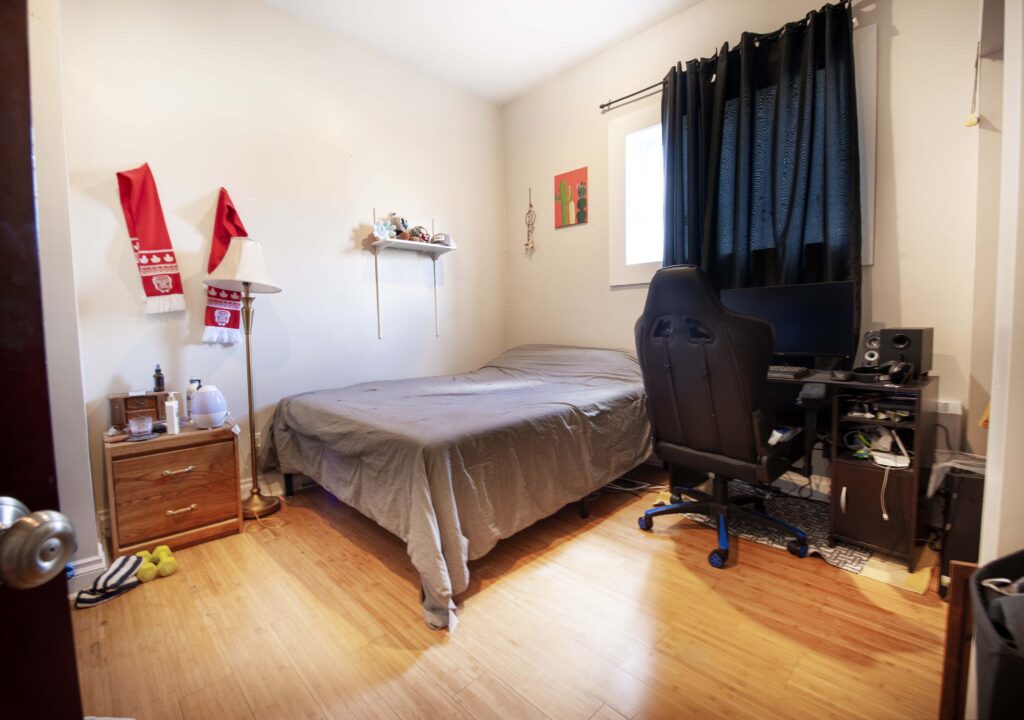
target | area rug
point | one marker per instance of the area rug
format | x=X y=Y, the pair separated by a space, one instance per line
x=809 y=515
x=812 y=516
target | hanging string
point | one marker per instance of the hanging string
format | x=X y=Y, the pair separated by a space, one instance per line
x=973 y=118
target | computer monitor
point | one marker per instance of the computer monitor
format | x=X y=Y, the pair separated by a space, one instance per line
x=811 y=320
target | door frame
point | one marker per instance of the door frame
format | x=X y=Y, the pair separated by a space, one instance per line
x=40 y=677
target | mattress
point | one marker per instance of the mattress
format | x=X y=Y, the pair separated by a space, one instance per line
x=454 y=464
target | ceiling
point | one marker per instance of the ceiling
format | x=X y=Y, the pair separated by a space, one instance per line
x=496 y=49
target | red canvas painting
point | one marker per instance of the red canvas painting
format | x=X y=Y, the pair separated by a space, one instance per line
x=572 y=198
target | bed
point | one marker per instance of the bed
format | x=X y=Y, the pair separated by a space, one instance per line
x=454 y=464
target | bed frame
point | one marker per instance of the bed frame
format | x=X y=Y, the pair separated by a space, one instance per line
x=289 y=491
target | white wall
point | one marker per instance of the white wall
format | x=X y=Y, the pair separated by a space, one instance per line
x=309 y=134
x=60 y=314
x=986 y=247
x=926 y=174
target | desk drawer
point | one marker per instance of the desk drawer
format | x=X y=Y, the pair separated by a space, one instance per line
x=171 y=492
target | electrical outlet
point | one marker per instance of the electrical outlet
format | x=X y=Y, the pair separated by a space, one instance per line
x=259 y=440
x=953 y=407
x=103 y=523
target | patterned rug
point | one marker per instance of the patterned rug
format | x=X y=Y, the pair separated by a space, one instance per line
x=809 y=516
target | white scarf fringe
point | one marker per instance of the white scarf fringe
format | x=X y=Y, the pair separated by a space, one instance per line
x=165 y=303
x=227 y=336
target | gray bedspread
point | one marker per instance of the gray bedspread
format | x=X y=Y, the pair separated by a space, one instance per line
x=453 y=464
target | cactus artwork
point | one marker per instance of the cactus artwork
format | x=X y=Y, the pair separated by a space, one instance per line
x=572 y=202
x=563 y=198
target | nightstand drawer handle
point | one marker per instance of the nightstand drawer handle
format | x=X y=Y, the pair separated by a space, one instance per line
x=190 y=508
x=169 y=473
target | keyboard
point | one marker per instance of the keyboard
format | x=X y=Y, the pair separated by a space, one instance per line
x=787 y=372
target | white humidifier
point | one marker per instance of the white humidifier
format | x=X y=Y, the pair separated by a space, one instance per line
x=209 y=408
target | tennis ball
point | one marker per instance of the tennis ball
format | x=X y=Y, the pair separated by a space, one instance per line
x=167 y=566
x=147 y=571
x=161 y=551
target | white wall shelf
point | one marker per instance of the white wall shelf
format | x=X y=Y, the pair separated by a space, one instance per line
x=433 y=250
x=428 y=248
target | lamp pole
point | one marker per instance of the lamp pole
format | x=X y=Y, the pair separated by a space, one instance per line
x=256 y=505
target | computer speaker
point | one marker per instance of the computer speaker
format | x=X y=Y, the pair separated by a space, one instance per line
x=913 y=345
x=869 y=354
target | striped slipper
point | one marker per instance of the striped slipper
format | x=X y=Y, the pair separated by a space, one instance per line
x=119 y=578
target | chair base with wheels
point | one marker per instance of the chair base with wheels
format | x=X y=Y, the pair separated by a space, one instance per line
x=720 y=506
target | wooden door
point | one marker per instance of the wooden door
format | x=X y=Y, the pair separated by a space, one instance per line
x=39 y=678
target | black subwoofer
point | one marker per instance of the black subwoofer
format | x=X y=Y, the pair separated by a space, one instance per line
x=913 y=345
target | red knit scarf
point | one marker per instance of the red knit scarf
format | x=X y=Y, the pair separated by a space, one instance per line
x=223 y=308
x=154 y=254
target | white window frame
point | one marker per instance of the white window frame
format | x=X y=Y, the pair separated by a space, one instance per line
x=619 y=273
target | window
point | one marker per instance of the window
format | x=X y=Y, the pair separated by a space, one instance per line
x=645 y=196
x=636 y=196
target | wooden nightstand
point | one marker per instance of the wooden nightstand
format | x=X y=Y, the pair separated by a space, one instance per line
x=173 y=490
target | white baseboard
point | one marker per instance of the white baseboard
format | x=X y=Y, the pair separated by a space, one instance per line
x=87 y=569
x=273 y=483
x=270 y=484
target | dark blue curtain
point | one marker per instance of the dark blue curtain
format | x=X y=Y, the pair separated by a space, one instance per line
x=762 y=167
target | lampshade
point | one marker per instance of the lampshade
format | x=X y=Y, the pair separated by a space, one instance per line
x=243 y=263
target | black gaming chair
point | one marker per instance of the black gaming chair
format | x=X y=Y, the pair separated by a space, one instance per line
x=705 y=370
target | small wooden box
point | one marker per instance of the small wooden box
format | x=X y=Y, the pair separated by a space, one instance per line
x=124 y=406
x=173 y=490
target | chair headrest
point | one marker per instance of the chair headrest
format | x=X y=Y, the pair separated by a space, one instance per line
x=682 y=290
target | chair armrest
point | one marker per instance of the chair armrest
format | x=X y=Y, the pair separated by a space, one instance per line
x=762 y=431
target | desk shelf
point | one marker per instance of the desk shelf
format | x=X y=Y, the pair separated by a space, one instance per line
x=848 y=458
x=907 y=424
x=871 y=507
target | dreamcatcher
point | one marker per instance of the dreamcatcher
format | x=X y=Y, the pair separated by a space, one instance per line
x=531 y=218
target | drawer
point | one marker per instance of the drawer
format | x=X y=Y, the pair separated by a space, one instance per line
x=151 y=412
x=171 y=492
x=152 y=408
x=141 y=403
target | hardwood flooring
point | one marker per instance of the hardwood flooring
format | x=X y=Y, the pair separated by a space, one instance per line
x=316 y=615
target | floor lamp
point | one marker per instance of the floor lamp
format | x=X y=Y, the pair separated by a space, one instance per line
x=243 y=271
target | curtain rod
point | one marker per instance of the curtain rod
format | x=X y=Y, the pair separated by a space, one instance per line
x=605 y=107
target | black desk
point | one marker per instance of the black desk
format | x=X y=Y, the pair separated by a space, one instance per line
x=870 y=506
x=824 y=376
x=832 y=387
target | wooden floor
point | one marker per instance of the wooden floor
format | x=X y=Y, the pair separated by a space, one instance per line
x=320 y=618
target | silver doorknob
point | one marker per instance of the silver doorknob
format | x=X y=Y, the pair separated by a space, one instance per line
x=34 y=547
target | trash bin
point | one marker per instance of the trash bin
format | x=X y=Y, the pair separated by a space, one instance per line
x=955 y=490
x=1000 y=657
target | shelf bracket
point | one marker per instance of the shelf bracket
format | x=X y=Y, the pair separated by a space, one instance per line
x=437 y=330
x=376 y=278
